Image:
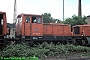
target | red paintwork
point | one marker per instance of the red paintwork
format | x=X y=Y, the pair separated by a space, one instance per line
x=28 y=29
x=4 y=26
x=83 y=28
x=50 y=29
x=56 y=29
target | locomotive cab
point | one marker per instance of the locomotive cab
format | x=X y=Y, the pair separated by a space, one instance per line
x=1 y=23
x=81 y=30
x=3 y=29
x=29 y=26
x=82 y=34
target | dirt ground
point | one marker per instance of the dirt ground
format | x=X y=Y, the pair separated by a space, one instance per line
x=73 y=58
x=70 y=57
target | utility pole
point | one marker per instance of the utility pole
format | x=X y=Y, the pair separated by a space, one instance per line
x=63 y=10
x=14 y=17
x=79 y=8
x=63 y=19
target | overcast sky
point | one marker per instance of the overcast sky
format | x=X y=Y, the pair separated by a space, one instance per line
x=55 y=7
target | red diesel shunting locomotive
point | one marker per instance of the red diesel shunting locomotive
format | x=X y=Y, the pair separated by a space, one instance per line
x=29 y=29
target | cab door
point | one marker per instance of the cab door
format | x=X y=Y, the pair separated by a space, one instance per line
x=1 y=26
x=27 y=26
x=36 y=26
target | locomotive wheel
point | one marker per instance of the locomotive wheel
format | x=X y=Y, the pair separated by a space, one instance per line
x=83 y=42
x=12 y=42
x=31 y=43
x=74 y=41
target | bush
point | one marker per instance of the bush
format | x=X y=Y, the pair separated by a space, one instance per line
x=41 y=50
x=16 y=50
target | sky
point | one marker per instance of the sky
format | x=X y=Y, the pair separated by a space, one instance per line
x=54 y=7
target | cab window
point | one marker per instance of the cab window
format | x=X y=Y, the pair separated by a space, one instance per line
x=27 y=19
x=76 y=30
x=36 y=20
x=33 y=19
x=19 y=19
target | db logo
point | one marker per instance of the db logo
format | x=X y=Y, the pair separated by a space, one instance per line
x=36 y=29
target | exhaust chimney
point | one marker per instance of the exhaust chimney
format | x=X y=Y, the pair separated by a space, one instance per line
x=79 y=8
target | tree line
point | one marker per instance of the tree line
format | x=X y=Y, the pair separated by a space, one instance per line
x=74 y=20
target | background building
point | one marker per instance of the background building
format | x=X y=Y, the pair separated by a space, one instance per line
x=88 y=19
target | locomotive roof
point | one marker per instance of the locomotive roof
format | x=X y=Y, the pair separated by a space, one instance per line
x=2 y=12
x=81 y=25
x=55 y=24
x=29 y=14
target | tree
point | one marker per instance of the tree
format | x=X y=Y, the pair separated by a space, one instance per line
x=56 y=20
x=75 y=20
x=48 y=19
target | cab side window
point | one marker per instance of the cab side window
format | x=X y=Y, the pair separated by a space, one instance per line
x=38 y=20
x=27 y=19
x=19 y=19
x=33 y=19
x=1 y=21
x=77 y=30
